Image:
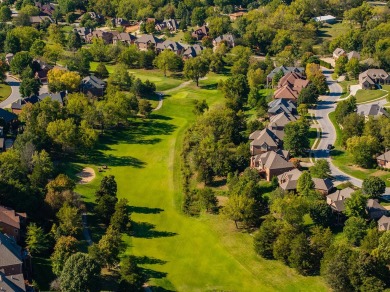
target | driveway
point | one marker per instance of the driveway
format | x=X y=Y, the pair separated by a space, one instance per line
x=15 y=95
x=326 y=105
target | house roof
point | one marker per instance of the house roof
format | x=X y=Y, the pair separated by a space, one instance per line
x=286 y=92
x=171 y=45
x=353 y=54
x=288 y=180
x=148 y=38
x=385 y=156
x=338 y=52
x=124 y=36
x=10 y=252
x=93 y=81
x=203 y=30
x=58 y=96
x=10 y=217
x=266 y=136
x=226 y=37
x=324 y=18
x=281 y=120
x=281 y=105
x=275 y=161
x=384 y=221
x=285 y=70
x=341 y=195
x=323 y=184
x=7 y=116
x=374 y=110
x=193 y=51
x=374 y=209
x=371 y=75
x=12 y=283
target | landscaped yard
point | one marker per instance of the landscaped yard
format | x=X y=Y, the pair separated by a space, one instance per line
x=344 y=85
x=342 y=159
x=330 y=31
x=368 y=95
x=312 y=136
x=5 y=91
x=179 y=252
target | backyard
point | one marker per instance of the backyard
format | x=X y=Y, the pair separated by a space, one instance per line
x=179 y=252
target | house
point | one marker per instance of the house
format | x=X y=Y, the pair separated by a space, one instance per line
x=120 y=22
x=175 y=47
x=12 y=223
x=200 y=32
x=271 y=164
x=288 y=180
x=124 y=38
x=338 y=52
x=264 y=141
x=374 y=209
x=371 y=78
x=294 y=80
x=234 y=16
x=7 y=116
x=83 y=32
x=96 y=16
x=337 y=199
x=324 y=186
x=279 y=121
x=383 y=160
x=11 y=265
x=43 y=70
x=170 y=24
x=47 y=9
x=18 y=105
x=286 y=92
x=106 y=36
x=372 y=110
x=330 y=19
x=284 y=70
x=8 y=58
x=92 y=85
x=192 y=51
x=147 y=41
x=384 y=223
x=58 y=96
x=280 y=105
x=353 y=54
x=40 y=19
x=229 y=39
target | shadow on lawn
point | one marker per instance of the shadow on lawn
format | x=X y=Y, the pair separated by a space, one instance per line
x=144 y=210
x=144 y=260
x=146 y=230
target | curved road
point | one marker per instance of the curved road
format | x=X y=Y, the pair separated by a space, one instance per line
x=15 y=95
x=326 y=105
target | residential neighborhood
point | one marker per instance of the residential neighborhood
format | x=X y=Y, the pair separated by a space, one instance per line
x=243 y=143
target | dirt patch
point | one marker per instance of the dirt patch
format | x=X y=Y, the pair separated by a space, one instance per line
x=86 y=175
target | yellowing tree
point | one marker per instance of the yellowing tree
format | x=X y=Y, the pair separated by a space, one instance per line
x=63 y=80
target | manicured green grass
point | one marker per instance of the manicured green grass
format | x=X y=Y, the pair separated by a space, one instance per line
x=312 y=136
x=179 y=252
x=343 y=160
x=5 y=91
x=330 y=31
x=344 y=85
x=368 y=95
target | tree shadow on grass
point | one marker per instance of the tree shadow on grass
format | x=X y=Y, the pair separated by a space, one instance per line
x=146 y=230
x=209 y=86
x=160 y=117
x=144 y=210
x=149 y=273
x=144 y=260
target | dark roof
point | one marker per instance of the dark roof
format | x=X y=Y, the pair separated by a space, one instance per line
x=193 y=51
x=148 y=38
x=10 y=252
x=7 y=116
x=58 y=96
x=93 y=81
x=14 y=283
x=285 y=70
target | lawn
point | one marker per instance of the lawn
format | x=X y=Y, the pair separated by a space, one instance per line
x=368 y=95
x=312 y=136
x=331 y=31
x=344 y=85
x=342 y=159
x=179 y=252
x=5 y=91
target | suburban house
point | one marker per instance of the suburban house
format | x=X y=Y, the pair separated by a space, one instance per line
x=146 y=42
x=93 y=86
x=290 y=86
x=286 y=92
x=12 y=223
x=57 y=96
x=337 y=199
x=18 y=105
x=372 y=110
x=83 y=32
x=264 y=141
x=374 y=209
x=383 y=160
x=371 y=78
x=170 y=24
x=120 y=22
x=279 y=121
x=44 y=68
x=330 y=19
x=193 y=51
x=124 y=38
x=353 y=54
x=271 y=163
x=47 y=9
x=229 y=39
x=234 y=16
x=7 y=116
x=384 y=223
x=200 y=32
x=39 y=19
x=96 y=16
x=175 y=47
x=281 y=105
x=338 y=52
x=288 y=180
x=11 y=265
x=106 y=36
x=285 y=70
x=324 y=186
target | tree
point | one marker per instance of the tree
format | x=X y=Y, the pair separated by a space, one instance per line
x=70 y=220
x=305 y=183
x=239 y=209
x=101 y=71
x=363 y=150
x=320 y=169
x=383 y=250
x=321 y=214
x=282 y=245
x=353 y=125
x=36 y=239
x=265 y=237
x=145 y=107
x=196 y=68
x=120 y=220
x=320 y=241
x=356 y=205
x=53 y=52
x=198 y=16
x=74 y=41
x=20 y=61
x=371 y=240
x=63 y=249
x=80 y=273
x=42 y=169
x=200 y=107
x=360 y=15
x=353 y=67
x=131 y=275
x=308 y=95
x=340 y=67
x=207 y=199
x=37 y=48
x=5 y=14
x=355 y=229
x=373 y=187
x=106 y=198
x=63 y=80
x=121 y=77
x=110 y=246
x=300 y=256
x=63 y=132
x=11 y=43
x=344 y=108
x=168 y=60
x=296 y=137
x=29 y=85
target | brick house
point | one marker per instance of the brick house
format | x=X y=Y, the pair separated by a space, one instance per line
x=12 y=223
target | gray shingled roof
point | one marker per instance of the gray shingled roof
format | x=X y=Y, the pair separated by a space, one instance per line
x=265 y=136
x=10 y=252
x=323 y=184
x=385 y=156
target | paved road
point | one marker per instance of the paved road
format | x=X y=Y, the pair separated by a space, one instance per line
x=15 y=95
x=327 y=105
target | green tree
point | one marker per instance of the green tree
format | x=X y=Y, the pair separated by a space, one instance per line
x=36 y=239
x=200 y=107
x=296 y=137
x=198 y=16
x=371 y=240
x=344 y=108
x=42 y=169
x=353 y=125
x=196 y=68
x=360 y=15
x=265 y=237
x=356 y=205
x=70 y=220
x=321 y=214
x=363 y=150
x=355 y=229
x=305 y=183
x=74 y=41
x=300 y=256
x=37 y=48
x=145 y=107
x=121 y=77
x=383 y=250
x=168 y=60
x=320 y=169
x=55 y=34
x=5 y=14
x=207 y=199
x=340 y=67
x=101 y=71
x=80 y=273
x=11 y=43
x=282 y=245
x=110 y=246
x=131 y=275
x=353 y=67
x=20 y=61
x=106 y=198
x=63 y=249
x=308 y=95
x=120 y=220
x=240 y=209
x=373 y=187
x=63 y=132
